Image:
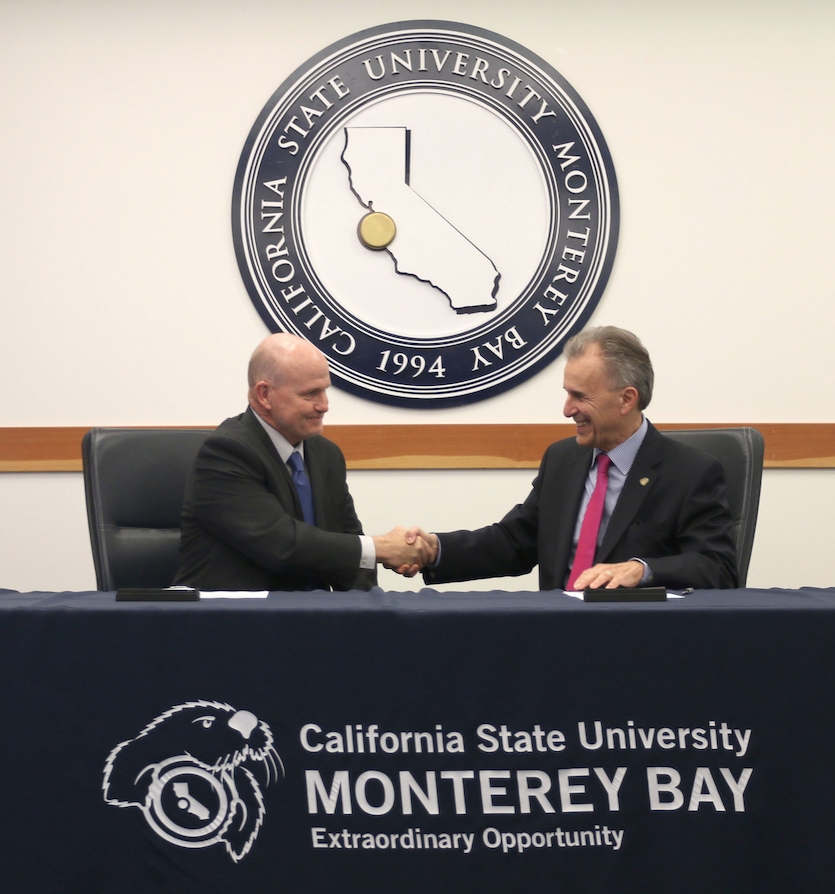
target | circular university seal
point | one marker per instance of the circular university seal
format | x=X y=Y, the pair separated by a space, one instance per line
x=432 y=206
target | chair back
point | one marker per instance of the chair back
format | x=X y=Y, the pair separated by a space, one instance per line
x=134 y=483
x=741 y=452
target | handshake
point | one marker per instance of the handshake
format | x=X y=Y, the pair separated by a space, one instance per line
x=406 y=551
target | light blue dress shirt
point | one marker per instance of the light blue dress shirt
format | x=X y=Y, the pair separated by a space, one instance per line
x=622 y=458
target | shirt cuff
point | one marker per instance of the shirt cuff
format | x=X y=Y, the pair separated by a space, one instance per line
x=437 y=556
x=368 y=555
x=647 y=575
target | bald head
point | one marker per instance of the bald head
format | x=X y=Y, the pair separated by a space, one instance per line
x=278 y=354
x=288 y=380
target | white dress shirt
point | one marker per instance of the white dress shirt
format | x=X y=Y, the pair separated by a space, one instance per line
x=368 y=554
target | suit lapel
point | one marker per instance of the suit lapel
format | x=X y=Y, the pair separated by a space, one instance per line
x=640 y=481
x=314 y=472
x=283 y=480
x=571 y=486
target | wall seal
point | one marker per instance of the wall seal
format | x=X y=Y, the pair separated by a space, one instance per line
x=431 y=205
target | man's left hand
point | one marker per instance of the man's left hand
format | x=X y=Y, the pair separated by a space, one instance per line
x=623 y=574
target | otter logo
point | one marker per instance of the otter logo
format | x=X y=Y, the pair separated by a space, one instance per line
x=187 y=772
x=431 y=205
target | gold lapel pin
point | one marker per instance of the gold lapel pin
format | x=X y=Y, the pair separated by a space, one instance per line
x=644 y=482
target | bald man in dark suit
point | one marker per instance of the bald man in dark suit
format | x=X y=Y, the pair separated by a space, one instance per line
x=244 y=525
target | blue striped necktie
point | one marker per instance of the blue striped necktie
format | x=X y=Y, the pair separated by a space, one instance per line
x=302 y=483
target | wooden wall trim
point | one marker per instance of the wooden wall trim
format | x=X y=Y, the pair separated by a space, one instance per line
x=488 y=446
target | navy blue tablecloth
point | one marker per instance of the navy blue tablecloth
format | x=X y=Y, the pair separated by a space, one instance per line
x=393 y=742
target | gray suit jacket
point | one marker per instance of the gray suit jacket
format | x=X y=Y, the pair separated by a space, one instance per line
x=672 y=513
x=242 y=526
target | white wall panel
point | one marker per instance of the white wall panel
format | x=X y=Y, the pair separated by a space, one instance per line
x=120 y=299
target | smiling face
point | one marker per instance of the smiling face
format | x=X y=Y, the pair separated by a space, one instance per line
x=605 y=417
x=298 y=405
x=292 y=394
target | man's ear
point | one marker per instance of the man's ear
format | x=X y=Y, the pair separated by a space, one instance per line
x=629 y=399
x=262 y=394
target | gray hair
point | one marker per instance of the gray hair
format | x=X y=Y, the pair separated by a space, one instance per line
x=625 y=359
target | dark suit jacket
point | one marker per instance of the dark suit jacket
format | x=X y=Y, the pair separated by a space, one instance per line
x=242 y=525
x=672 y=513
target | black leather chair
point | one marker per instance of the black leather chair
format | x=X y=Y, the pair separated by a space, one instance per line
x=134 y=482
x=741 y=452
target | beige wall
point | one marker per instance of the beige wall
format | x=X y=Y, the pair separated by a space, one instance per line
x=121 y=303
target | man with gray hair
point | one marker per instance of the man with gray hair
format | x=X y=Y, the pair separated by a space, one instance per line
x=619 y=505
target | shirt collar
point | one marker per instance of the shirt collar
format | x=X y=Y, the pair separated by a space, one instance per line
x=281 y=444
x=624 y=454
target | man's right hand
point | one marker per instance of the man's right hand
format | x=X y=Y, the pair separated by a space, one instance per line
x=405 y=552
x=417 y=536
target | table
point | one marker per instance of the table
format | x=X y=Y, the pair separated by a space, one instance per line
x=400 y=742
